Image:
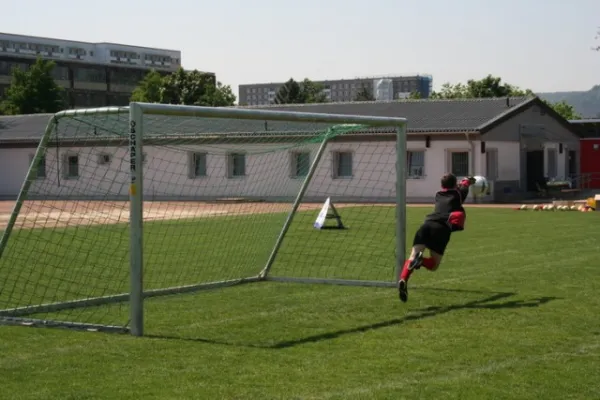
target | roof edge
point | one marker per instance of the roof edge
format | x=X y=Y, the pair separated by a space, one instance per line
x=498 y=119
x=395 y=101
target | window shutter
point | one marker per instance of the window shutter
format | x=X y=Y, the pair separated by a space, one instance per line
x=191 y=165
x=65 y=166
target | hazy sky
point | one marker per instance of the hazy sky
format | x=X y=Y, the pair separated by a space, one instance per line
x=539 y=44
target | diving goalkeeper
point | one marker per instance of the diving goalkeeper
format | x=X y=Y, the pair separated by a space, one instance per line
x=434 y=234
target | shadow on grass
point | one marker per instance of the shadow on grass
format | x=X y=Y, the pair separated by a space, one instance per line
x=423 y=313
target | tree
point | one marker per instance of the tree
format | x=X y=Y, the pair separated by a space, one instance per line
x=490 y=86
x=312 y=92
x=149 y=89
x=566 y=110
x=221 y=95
x=184 y=87
x=414 y=95
x=289 y=93
x=364 y=95
x=450 y=91
x=293 y=92
x=33 y=91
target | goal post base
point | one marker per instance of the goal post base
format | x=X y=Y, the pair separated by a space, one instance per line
x=118 y=298
x=341 y=282
x=80 y=326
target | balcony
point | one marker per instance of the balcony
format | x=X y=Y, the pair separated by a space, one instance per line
x=125 y=61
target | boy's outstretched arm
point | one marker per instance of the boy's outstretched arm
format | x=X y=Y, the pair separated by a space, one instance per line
x=463 y=187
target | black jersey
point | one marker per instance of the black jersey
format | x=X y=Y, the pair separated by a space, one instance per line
x=449 y=208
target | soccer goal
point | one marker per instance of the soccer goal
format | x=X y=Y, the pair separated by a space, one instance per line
x=123 y=205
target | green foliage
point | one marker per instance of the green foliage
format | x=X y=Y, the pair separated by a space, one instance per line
x=566 y=110
x=414 y=95
x=33 y=91
x=481 y=327
x=313 y=92
x=289 y=93
x=490 y=86
x=184 y=87
x=149 y=89
x=293 y=92
x=364 y=94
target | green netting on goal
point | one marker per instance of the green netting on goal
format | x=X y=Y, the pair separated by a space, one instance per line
x=217 y=193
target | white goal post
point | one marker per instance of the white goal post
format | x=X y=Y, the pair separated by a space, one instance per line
x=138 y=120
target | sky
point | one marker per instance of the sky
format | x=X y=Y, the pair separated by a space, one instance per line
x=543 y=45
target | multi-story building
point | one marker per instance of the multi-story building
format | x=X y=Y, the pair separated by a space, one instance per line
x=93 y=74
x=344 y=90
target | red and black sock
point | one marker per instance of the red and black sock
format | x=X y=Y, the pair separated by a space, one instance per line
x=405 y=271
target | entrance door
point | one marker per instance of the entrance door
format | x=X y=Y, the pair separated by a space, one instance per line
x=535 y=169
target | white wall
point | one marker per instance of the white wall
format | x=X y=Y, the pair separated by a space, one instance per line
x=268 y=172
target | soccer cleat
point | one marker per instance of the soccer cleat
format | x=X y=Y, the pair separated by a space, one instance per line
x=403 y=290
x=416 y=262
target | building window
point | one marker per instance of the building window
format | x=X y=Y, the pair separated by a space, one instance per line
x=41 y=168
x=104 y=159
x=71 y=166
x=415 y=164
x=300 y=164
x=60 y=73
x=236 y=164
x=342 y=164
x=459 y=163
x=197 y=165
x=97 y=75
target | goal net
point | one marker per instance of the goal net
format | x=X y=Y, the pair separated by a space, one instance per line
x=121 y=205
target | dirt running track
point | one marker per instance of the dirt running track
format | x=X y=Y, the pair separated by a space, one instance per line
x=68 y=213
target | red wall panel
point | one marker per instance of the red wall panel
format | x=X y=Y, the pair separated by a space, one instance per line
x=590 y=160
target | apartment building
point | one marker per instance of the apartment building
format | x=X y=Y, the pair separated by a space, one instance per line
x=93 y=74
x=382 y=88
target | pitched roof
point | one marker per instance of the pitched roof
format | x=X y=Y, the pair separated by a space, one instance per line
x=452 y=115
x=15 y=127
x=424 y=116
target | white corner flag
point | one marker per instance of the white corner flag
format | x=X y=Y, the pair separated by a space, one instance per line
x=328 y=211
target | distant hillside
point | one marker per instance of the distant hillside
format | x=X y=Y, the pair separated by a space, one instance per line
x=585 y=103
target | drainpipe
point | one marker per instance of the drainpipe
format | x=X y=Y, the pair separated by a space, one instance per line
x=472 y=158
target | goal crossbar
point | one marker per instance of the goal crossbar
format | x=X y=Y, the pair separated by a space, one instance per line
x=137 y=293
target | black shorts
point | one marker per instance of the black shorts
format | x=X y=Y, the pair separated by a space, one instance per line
x=434 y=236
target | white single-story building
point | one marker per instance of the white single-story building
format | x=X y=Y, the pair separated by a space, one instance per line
x=515 y=142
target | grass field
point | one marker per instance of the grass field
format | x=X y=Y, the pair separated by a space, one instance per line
x=511 y=314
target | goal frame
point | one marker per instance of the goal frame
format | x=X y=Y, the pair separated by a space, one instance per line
x=137 y=294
